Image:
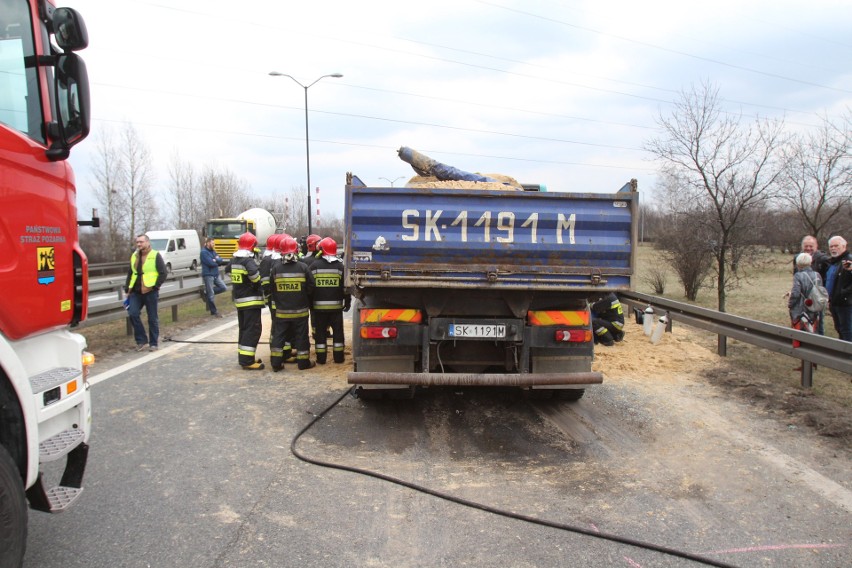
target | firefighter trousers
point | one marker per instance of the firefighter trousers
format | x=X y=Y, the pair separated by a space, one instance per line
x=250 y=330
x=325 y=319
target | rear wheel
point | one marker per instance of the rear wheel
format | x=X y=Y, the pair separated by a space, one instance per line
x=13 y=512
x=169 y=268
x=194 y=266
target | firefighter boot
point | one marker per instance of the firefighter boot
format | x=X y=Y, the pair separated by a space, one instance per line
x=322 y=353
x=256 y=366
x=337 y=353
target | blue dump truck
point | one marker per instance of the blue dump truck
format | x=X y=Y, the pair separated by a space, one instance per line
x=481 y=287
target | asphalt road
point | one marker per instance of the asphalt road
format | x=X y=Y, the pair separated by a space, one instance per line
x=190 y=466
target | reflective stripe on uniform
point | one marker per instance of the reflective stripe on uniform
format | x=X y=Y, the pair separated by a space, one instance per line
x=292 y=314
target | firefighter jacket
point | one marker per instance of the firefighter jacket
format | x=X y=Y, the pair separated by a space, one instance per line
x=609 y=309
x=154 y=272
x=292 y=287
x=328 y=284
x=245 y=278
x=265 y=267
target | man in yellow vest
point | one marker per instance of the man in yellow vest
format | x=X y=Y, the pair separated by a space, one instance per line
x=147 y=273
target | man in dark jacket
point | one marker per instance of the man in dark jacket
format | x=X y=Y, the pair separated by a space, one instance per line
x=838 y=282
x=147 y=273
x=213 y=283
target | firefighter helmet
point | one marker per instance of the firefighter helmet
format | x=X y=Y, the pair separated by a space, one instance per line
x=328 y=246
x=270 y=241
x=289 y=245
x=247 y=241
x=312 y=241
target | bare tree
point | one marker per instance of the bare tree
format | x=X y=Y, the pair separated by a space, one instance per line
x=818 y=174
x=183 y=195
x=137 y=182
x=294 y=208
x=222 y=194
x=125 y=177
x=724 y=165
x=107 y=170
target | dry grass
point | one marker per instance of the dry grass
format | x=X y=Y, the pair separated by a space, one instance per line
x=761 y=297
x=108 y=340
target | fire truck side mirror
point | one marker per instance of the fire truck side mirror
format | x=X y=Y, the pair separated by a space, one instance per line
x=69 y=29
x=72 y=106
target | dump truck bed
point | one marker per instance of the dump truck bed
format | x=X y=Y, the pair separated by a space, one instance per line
x=468 y=238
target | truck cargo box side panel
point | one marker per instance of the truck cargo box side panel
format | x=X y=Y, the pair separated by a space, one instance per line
x=411 y=236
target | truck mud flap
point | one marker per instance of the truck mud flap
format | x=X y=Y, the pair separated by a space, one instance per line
x=475 y=379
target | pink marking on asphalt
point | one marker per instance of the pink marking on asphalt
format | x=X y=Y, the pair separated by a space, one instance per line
x=776 y=547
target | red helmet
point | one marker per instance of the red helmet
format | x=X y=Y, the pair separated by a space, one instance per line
x=289 y=245
x=270 y=241
x=247 y=241
x=328 y=246
x=312 y=241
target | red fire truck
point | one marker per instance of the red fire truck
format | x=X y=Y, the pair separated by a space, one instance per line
x=45 y=417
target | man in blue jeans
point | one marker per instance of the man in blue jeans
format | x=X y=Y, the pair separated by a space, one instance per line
x=213 y=283
x=147 y=273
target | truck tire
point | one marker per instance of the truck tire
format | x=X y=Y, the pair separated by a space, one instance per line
x=194 y=266
x=169 y=268
x=13 y=513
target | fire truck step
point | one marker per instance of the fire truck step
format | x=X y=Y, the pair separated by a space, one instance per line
x=52 y=378
x=61 y=498
x=58 y=446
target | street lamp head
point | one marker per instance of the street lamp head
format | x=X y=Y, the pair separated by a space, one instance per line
x=336 y=75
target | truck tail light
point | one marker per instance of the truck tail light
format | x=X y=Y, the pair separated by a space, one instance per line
x=378 y=332
x=573 y=335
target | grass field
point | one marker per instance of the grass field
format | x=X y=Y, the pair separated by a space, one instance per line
x=761 y=297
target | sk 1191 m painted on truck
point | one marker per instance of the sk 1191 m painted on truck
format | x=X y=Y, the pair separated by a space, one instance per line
x=482 y=287
x=45 y=417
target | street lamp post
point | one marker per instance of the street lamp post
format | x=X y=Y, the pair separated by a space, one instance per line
x=307 y=138
x=391 y=181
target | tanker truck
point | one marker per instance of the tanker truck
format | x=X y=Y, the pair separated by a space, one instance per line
x=226 y=231
x=457 y=286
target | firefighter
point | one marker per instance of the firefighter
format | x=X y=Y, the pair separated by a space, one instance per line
x=248 y=298
x=311 y=247
x=310 y=256
x=329 y=301
x=292 y=286
x=608 y=320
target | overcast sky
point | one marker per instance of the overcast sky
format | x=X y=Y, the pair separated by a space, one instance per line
x=559 y=92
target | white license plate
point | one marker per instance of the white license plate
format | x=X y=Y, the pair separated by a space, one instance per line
x=461 y=330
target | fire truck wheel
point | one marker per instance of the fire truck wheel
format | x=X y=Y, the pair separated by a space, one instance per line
x=13 y=513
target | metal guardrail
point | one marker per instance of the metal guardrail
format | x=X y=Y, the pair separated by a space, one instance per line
x=115 y=310
x=813 y=348
x=106 y=268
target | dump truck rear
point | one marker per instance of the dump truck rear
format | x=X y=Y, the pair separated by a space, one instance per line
x=475 y=287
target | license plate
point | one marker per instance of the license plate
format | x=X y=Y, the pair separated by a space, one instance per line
x=477 y=331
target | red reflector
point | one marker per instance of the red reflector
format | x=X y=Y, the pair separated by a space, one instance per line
x=573 y=335
x=376 y=332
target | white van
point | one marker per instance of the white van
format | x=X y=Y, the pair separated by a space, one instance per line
x=180 y=248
